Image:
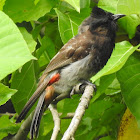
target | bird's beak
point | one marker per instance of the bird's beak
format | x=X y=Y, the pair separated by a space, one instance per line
x=118 y=16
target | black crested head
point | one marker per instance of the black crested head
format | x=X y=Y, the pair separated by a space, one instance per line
x=98 y=12
x=104 y=20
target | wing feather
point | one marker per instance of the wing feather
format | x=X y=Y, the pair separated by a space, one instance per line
x=77 y=48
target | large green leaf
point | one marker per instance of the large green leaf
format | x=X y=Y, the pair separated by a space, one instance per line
x=75 y=4
x=68 y=23
x=128 y=7
x=129 y=78
x=25 y=83
x=14 y=51
x=108 y=5
x=26 y=10
x=118 y=58
x=28 y=38
x=2 y=3
x=5 y=93
x=121 y=6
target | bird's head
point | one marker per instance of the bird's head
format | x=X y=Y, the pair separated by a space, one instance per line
x=104 y=22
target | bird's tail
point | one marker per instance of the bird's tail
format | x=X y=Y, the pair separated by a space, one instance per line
x=37 y=116
x=45 y=99
x=32 y=100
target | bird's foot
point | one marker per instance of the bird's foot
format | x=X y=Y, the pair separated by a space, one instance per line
x=85 y=83
x=79 y=88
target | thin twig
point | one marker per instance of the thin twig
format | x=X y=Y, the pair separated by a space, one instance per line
x=9 y=114
x=56 y=120
x=68 y=116
x=84 y=102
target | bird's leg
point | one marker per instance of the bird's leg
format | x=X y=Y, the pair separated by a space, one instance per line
x=60 y=97
x=79 y=88
x=84 y=84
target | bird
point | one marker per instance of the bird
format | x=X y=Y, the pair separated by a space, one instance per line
x=77 y=61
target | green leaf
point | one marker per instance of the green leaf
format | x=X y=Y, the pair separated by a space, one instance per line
x=120 y=6
x=53 y=33
x=36 y=1
x=128 y=7
x=70 y=105
x=110 y=113
x=26 y=10
x=75 y=4
x=113 y=88
x=84 y=4
x=48 y=46
x=129 y=78
x=68 y=24
x=7 y=126
x=5 y=93
x=129 y=24
x=14 y=51
x=25 y=83
x=64 y=7
x=108 y=6
x=47 y=122
x=46 y=52
x=118 y=58
x=2 y=3
x=43 y=60
x=36 y=31
x=28 y=38
x=105 y=81
x=102 y=106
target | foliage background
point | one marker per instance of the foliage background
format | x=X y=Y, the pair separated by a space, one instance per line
x=32 y=32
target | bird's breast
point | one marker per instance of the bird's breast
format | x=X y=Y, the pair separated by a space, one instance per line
x=72 y=74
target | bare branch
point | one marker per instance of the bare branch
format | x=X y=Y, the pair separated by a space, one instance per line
x=68 y=116
x=9 y=114
x=84 y=102
x=56 y=120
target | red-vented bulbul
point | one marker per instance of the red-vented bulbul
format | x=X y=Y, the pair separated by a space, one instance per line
x=78 y=60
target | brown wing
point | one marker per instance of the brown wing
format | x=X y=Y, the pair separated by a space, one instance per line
x=76 y=49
